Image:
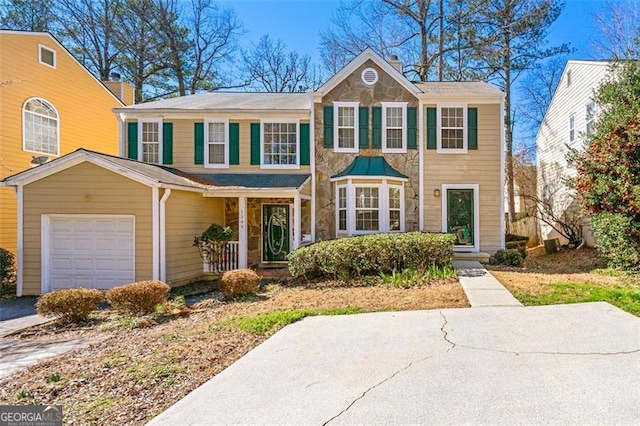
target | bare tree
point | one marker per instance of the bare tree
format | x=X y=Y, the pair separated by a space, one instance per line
x=513 y=39
x=28 y=15
x=269 y=67
x=618 y=30
x=537 y=88
x=425 y=33
x=89 y=27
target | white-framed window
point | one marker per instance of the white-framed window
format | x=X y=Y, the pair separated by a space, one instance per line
x=345 y=126
x=40 y=127
x=280 y=144
x=590 y=117
x=369 y=208
x=572 y=128
x=452 y=128
x=341 y=204
x=394 y=127
x=46 y=56
x=150 y=137
x=216 y=143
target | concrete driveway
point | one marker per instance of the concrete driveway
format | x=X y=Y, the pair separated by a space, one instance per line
x=570 y=364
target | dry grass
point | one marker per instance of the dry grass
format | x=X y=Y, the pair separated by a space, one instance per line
x=568 y=277
x=135 y=369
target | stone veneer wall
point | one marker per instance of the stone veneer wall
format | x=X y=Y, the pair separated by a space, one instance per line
x=254 y=222
x=329 y=163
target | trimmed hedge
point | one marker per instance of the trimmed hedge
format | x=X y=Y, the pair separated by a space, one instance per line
x=72 y=304
x=239 y=282
x=139 y=298
x=509 y=257
x=363 y=255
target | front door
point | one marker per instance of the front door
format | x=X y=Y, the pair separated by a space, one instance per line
x=460 y=216
x=275 y=232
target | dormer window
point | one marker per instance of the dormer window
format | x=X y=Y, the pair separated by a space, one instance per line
x=47 y=56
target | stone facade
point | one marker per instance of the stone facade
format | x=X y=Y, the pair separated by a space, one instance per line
x=328 y=163
x=254 y=222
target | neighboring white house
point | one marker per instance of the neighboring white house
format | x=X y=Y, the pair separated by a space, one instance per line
x=569 y=120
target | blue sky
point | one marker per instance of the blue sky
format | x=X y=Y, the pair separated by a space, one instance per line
x=299 y=23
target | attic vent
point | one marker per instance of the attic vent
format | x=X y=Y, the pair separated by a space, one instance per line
x=369 y=76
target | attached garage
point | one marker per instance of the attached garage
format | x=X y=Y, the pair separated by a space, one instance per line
x=92 y=251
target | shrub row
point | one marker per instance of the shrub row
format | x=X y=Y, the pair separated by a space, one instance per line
x=75 y=304
x=371 y=255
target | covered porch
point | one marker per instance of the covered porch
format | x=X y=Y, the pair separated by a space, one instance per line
x=269 y=215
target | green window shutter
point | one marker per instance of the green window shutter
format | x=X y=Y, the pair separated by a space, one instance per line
x=376 y=127
x=198 y=143
x=363 y=124
x=432 y=141
x=328 y=127
x=412 y=128
x=305 y=149
x=234 y=143
x=132 y=140
x=167 y=143
x=255 y=144
x=472 y=128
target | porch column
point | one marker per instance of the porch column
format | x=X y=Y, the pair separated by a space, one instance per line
x=242 y=232
x=297 y=218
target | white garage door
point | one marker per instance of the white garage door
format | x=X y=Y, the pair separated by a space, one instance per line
x=88 y=251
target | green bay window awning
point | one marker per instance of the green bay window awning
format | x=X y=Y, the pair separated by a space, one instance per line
x=368 y=167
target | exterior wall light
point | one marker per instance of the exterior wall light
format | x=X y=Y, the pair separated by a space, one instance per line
x=436 y=192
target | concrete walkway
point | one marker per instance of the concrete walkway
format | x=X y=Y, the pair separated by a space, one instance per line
x=14 y=325
x=481 y=288
x=564 y=364
x=18 y=354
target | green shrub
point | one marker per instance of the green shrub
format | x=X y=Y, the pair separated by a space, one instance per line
x=7 y=268
x=514 y=237
x=372 y=255
x=73 y=304
x=618 y=238
x=509 y=257
x=139 y=298
x=239 y=282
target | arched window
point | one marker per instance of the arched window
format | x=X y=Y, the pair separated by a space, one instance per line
x=40 y=127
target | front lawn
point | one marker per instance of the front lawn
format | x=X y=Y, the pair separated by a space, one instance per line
x=137 y=367
x=571 y=276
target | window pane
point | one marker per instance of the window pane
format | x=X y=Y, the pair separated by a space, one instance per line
x=346 y=116
x=452 y=138
x=216 y=154
x=346 y=138
x=342 y=198
x=394 y=198
x=280 y=145
x=342 y=220
x=367 y=220
x=394 y=117
x=40 y=127
x=394 y=138
x=394 y=220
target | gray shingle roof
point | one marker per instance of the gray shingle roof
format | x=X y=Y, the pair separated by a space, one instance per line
x=230 y=101
x=255 y=180
x=459 y=88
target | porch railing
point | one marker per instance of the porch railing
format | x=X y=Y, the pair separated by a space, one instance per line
x=228 y=260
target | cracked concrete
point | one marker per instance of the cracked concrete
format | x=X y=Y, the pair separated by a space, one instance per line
x=568 y=364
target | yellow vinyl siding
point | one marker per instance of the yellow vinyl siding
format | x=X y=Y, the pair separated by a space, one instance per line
x=83 y=105
x=183 y=150
x=88 y=189
x=188 y=214
x=481 y=167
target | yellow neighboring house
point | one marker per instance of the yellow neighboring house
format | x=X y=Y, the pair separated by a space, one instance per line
x=50 y=105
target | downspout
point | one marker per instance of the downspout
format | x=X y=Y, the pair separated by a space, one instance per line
x=421 y=154
x=163 y=235
x=155 y=237
x=20 y=244
x=312 y=142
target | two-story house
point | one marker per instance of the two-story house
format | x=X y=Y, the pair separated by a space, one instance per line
x=369 y=151
x=50 y=105
x=568 y=122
